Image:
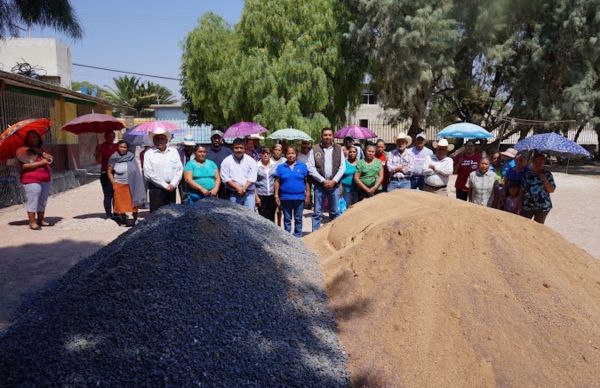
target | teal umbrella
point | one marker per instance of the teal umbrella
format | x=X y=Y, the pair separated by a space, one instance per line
x=289 y=134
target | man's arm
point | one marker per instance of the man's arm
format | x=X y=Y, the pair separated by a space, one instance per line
x=445 y=167
x=340 y=172
x=178 y=170
x=312 y=169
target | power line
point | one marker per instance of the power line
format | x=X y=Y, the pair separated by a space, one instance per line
x=126 y=72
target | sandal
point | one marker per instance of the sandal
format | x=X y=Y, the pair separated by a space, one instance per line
x=35 y=227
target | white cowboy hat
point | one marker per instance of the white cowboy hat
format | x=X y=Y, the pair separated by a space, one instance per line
x=159 y=131
x=188 y=140
x=24 y=155
x=404 y=136
x=511 y=153
x=255 y=136
x=443 y=143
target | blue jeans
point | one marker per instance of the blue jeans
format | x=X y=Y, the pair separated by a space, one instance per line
x=351 y=197
x=398 y=184
x=417 y=182
x=333 y=197
x=194 y=196
x=246 y=200
x=293 y=208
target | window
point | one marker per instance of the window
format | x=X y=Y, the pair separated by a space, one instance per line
x=368 y=98
x=363 y=123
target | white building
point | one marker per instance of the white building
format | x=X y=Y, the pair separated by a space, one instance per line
x=50 y=58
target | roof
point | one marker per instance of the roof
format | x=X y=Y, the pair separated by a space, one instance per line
x=175 y=105
x=19 y=82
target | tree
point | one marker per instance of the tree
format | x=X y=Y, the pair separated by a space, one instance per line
x=57 y=14
x=79 y=85
x=535 y=60
x=286 y=64
x=132 y=93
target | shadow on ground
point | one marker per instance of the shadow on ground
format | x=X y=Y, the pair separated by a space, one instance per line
x=52 y=220
x=27 y=268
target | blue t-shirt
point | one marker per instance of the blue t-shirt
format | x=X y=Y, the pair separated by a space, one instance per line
x=348 y=178
x=202 y=174
x=292 y=184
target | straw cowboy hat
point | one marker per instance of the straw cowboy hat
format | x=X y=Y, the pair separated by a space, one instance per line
x=443 y=143
x=25 y=155
x=188 y=140
x=405 y=137
x=159 y=131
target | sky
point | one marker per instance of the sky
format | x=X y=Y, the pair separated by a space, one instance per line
x=142 y=36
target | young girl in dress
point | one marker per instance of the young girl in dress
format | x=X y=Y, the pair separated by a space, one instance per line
x=512 y=203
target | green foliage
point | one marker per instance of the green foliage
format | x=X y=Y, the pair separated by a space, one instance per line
x=286 y=64
x=478 y=60
x=78 y=85
x=57 y=14
x=130 y=92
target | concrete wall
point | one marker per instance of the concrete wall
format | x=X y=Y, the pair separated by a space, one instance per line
x=372 y=112
x=51 y=55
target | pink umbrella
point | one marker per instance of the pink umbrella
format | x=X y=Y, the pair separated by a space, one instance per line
x=93 y=123
x=243 y=129
x=151 y=126
x=355 y=132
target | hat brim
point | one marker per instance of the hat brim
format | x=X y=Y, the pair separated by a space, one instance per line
x=509 y=155
x=450 y=146
x=189 y=143
x=407 y=138
x=169 y=136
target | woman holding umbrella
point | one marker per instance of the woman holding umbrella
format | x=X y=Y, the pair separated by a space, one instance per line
x=536 y=187
x=127 y=183
x=36 y=178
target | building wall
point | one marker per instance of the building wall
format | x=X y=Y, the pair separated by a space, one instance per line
x=169 y=114
x=51 y=55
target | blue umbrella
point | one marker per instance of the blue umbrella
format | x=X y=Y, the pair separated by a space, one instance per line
x=553 y=144
x=464 y=131
x=134 y=139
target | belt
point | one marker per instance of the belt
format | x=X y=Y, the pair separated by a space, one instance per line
x=400 y=179
x=436 y=187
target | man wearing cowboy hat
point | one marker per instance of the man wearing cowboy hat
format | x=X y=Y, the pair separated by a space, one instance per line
x=400 y=163
x=420 y=153
x=438 y=169
x=217 y=152
x=186 y=153
x=162 y=170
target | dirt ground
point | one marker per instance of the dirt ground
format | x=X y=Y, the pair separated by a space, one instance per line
x=30 y=259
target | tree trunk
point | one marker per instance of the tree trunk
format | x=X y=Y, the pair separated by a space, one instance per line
x=578 y=132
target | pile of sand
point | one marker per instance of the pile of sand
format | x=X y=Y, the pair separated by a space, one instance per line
x=430 y=291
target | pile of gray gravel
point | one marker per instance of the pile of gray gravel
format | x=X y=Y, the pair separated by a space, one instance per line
x=209 y=295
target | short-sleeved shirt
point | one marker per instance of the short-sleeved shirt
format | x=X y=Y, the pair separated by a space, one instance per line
x=483 y=186
x=348 y=178
x=466 y=165
x=120 y=172
x=217 y=156
x=202 y=173
x=292 y=181
x=369 y=172
x=39 y=175
x=535 y=196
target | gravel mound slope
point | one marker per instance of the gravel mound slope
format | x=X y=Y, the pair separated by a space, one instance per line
x=431 y=291
x=212 y=295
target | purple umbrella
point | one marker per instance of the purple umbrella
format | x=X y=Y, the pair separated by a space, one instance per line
x=243 y=129
x=355 y=132
x=151 y=126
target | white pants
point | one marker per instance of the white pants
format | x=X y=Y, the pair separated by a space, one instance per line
x=37 y=196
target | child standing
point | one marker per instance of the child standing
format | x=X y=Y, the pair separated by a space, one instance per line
x=512 y=203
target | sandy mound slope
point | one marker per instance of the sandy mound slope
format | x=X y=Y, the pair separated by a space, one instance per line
x=213 y=295
x=430 y=291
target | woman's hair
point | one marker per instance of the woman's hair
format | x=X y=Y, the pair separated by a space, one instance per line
x=291 y=148
x=265 y=150
x=198 y=146
x=538 y=155
x=39 y=138
x=369 y=145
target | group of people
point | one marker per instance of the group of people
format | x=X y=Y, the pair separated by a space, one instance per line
x=505 y=181
x=284 y=181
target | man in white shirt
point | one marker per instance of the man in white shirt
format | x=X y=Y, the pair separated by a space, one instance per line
x=420 y=154
x=239 y=172
x=438 y=169
x=326 y=165
x=162 y=170
x=400 y=163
